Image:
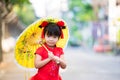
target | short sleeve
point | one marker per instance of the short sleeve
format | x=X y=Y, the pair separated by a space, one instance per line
x=61 y=51
x=58 y=51
x=39 y=51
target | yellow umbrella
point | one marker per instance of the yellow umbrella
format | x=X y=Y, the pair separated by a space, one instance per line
x=29 y=39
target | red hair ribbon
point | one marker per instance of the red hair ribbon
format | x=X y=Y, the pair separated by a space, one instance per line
x=44 y=24
x=62 y=34
x=42 y=34
x=59 y=23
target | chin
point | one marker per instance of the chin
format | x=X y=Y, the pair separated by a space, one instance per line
x=51 y=45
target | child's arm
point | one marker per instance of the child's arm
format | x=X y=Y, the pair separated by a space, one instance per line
x=40 y=63
x=61 y=61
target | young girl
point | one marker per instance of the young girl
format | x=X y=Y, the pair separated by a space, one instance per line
x=49 y=57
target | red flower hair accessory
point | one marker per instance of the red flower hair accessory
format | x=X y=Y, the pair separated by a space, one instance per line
x=60 y=23
x=44 y=23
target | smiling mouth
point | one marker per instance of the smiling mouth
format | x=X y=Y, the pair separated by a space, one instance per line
x=51 y=43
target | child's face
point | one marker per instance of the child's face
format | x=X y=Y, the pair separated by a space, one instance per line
x=51 y=40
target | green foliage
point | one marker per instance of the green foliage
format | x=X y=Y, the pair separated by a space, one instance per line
x=78 y=35
x=23 y=9
x=16 y=2
x=74 y=3
x=25 y=13
x=118 y=37
x=82 y=10
x=74 y=28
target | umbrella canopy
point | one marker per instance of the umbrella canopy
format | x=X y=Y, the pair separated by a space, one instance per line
x=29 y=40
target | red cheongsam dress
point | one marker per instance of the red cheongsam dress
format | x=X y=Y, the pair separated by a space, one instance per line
x=50 y=71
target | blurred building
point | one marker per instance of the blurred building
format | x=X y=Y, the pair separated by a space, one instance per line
x=114 y=24
x=100 y=28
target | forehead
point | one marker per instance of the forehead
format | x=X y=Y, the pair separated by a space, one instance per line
x=51 y=35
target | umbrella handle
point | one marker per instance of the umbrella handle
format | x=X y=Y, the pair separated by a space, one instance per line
x=45 y=47
x=41 y=43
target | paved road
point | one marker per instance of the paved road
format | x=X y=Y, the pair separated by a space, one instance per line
x=85 y=65
x=82 y=65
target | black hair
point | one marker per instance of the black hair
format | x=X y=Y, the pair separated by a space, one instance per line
x=52 y=29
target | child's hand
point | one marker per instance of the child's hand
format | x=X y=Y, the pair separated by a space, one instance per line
x=50 y=55
x=57 y=59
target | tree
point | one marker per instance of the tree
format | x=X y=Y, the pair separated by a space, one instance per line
x=7 y=16
x=82 y=10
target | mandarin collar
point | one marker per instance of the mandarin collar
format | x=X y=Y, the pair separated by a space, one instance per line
x=49 y=48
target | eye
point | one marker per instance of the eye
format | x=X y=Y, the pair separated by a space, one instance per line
x=48 y=35
x=55 y=36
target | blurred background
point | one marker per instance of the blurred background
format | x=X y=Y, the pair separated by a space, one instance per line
x=94 y=29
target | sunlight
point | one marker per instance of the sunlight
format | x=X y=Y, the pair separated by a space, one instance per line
x=8 y=44
x=52 y=8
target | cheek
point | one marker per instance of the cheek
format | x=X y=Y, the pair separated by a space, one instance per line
x=56 y=40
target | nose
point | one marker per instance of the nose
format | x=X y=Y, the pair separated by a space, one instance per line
x=50 y=38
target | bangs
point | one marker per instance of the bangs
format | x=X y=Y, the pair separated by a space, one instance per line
x=52 y=30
